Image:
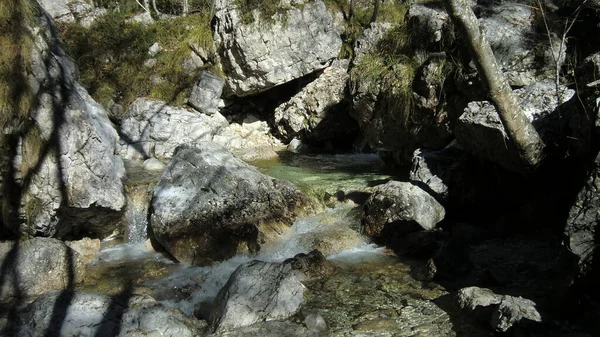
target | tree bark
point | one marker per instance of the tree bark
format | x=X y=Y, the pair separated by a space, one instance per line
x=375 y=11
x=519 y=129
x=351 y=10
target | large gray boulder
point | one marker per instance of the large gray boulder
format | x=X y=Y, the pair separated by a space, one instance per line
x=506 y=310
x=86 y=314
x=33 y=267
x=151 y=128
x=262 y=291
x=581 y=237
x=481 y=132
x=208 y=202
x=76 y=184
x=400 y=207
x=263 y=54
x=312 y=113
x=80 y=11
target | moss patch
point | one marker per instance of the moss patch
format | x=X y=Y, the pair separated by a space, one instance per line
x=111 y=56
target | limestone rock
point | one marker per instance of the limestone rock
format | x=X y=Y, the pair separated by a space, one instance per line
x=510 y=30
x=86 y=314
x=208 y=202
x=80 y=11
x=481 y=132
x=38 y=265
x=206 y=93
x=299 y=41
x=152 y=128
x=581 y=234
x=507 y=310
x=368 y=38
x=400 y=206
x=262 y=291
x=76 y=187
x=429 y=24
x=312 y=115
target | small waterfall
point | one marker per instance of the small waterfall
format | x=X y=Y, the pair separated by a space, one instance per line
x=136 y=212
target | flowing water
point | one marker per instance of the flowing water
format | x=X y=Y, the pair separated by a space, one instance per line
x=373 y=294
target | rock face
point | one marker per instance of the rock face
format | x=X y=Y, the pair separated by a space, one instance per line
x=581 y=230
x=507 y=310
x=151 y=128
x=38 y=265
x=206 y=93
x=78 y=174
x=429 y=23
x=261 y=291
x=85 y=314
x=208 y=202
x=368 y=38
x=81 y=11
x=510 y=31
x=400 y=207
x=299 y=41
x=481 y=132
x=314 y=114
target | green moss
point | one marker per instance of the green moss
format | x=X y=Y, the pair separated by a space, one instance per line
x=111 y=56
x=267 y=10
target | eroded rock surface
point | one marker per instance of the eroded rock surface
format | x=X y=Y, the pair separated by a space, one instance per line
x=314 y=113
x=86 y=314
x=400 y=206
x=209 y=201
x=262 y=291
x=38 y=265
x=76 y=187
x=263 y=54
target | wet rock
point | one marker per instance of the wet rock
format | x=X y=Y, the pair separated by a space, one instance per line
x=153 y=128
x=209 y=201
x=299 y=41
x=261 y=291
x=481 y=132
x=76 y=185
x=86 y=247
x=507 y=310
x=400 y=207
x=206 y=93
x=581 y=236
x=250 y=140
x=38 y=265
x=271 y=329
x=315 y=322
x=86 y=314
x=314 y=114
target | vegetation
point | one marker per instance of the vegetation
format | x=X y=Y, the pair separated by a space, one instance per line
x=112 y=53
x=358 y=17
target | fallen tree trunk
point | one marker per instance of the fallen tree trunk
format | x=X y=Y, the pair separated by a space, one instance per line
x=519 y=129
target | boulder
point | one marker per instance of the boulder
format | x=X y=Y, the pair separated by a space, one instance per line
x=33 y=267
x=506 y=310
x=256 y=56
x=399 y=207
x=430 y=25
x=581 y=238
x=80 y=11
x=151 y=128
x=206 y=93
x=86 y=314
x=368 y=38
x=314 y=114
x=510 y=29
x=68 y=157
x=208 y=201
x=262 y=291
x=250 y=140
x=481 y=132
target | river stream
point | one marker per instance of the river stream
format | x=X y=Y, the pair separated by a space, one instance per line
x=372 y=294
